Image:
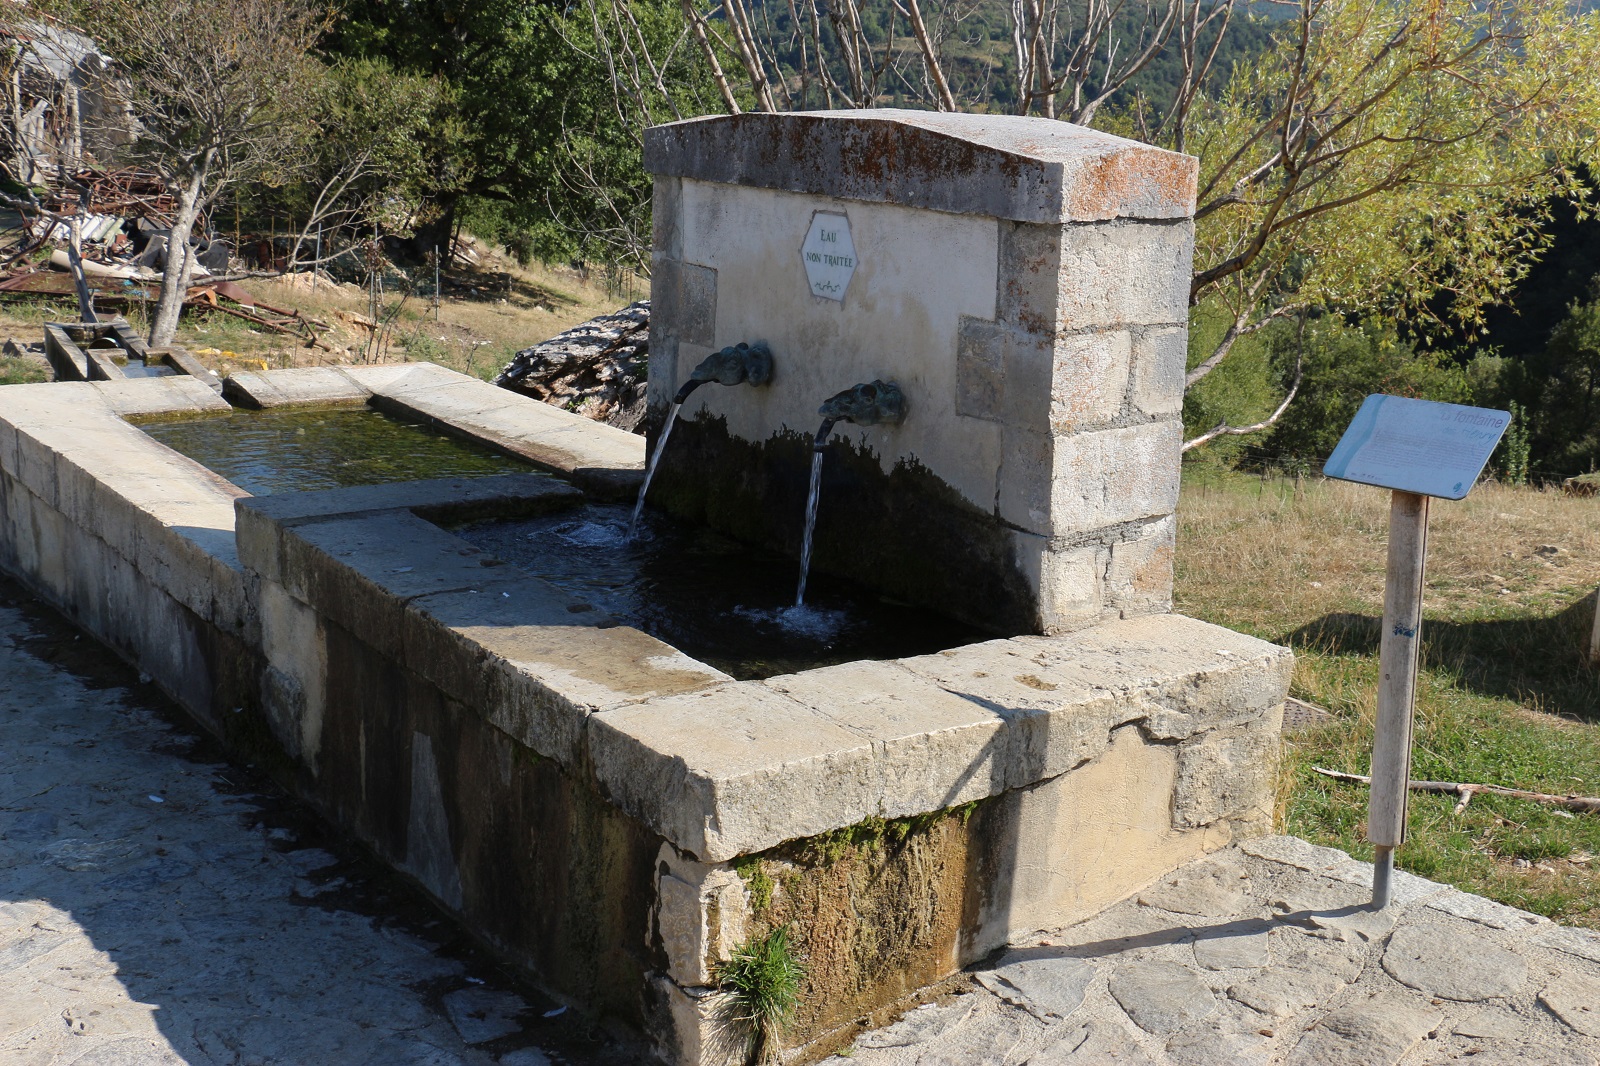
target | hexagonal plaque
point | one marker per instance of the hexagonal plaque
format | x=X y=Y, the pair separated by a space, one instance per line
x=829 y=255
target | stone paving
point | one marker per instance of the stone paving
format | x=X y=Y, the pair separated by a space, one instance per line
x=1266 y=953
x=159 y=906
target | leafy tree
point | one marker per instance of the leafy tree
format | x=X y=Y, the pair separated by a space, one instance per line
x=1384 y=152
x=1341 y=366
x=219 y=92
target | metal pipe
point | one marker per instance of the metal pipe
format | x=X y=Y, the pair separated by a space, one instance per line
x=1382 y=877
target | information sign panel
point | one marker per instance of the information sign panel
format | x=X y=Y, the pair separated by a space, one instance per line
x=1432 y=449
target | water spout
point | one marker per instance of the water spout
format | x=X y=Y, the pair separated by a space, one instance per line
x=736 y=364
x=874 y=403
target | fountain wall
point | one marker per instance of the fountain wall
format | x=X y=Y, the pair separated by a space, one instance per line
x=1025 y=282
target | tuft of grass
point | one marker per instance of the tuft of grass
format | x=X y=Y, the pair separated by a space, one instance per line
x=1505 y=695
x=762 y=983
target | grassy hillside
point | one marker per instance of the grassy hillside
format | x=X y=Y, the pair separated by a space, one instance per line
x=1505 y=697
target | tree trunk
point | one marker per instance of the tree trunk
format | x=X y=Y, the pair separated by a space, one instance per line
x=439 y=231
x=180 y=262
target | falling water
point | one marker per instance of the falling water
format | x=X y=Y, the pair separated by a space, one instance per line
x=811 y=524
x=811 y=509
x=650 y=470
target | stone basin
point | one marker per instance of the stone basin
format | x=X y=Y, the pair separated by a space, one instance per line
x=587 y=800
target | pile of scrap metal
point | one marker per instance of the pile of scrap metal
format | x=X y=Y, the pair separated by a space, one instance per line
x=596 y=369
x=123 y=232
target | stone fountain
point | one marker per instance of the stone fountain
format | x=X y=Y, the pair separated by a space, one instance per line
x=596 y=805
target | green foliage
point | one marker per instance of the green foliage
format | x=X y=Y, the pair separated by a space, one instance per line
x=762 y=981
x=1511 y=458
x=749 y=868
x=1562 y=388
x=1343 y=365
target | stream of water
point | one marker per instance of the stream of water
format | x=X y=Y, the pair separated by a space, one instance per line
x=650 y=469
x=811 y=525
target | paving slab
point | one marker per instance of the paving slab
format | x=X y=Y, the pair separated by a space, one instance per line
x=1265 y=954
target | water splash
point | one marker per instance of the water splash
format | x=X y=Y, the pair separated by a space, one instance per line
x=811 y=525
x=650 y=470
x=816 y=624
x=589 y=534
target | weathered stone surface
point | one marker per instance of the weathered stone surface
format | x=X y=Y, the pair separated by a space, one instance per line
x=483 y=1014
x=1582 y=943
x=145 y=396
x=1228 y=774
x=701 y=912
x=1161 y=997
x=928 y=1022
x=1283 y=993
x=1245 y=947
x=1216 y=1045
x=1027 y=169
x=1485 y=911
x=1139 y=577
x=1575 y=999
x=1093 y=1044
x=1159 y=355
x=1109 y=476
x=1088 y=380
x=1375 y=1032
x=1045 y=986
x=1442 y=962
x=292 y=387
x=1209 y=888
x=155 y=917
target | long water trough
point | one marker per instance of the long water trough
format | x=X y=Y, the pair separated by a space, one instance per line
x=618 y=761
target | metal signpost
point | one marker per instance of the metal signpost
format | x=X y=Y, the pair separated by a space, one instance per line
x=1418 y=449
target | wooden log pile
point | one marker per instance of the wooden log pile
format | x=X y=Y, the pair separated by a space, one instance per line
x=596 y=369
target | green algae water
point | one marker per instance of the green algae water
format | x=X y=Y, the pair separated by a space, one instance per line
x=304 y=449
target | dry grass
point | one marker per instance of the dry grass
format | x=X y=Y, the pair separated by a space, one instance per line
x=1506 y=696
x=487 y=315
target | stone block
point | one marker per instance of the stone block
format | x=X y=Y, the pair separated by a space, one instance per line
x=1009 y=167
x=1125 y=273
x=980 y=368
x=538 y=663
x=1112 y=476
x=1089 y=379
x=666 y=218
x=694 y=1027
x=733 y=770
x=1139 y=577
x=935 y=748
x=1229 y=775
x=1160 y=356
x=684 y=297
x=292 y=387
x=1071 y=586
x=701 y=915
x=149 y=396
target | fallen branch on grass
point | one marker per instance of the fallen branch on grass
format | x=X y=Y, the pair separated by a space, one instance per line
x=1466 y=790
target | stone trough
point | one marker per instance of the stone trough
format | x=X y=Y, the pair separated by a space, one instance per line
x=617 y=817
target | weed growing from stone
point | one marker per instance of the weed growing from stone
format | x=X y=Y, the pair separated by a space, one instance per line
x=762 y=982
